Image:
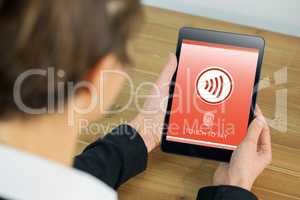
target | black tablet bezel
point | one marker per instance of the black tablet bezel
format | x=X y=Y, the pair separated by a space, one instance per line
x=218 y=37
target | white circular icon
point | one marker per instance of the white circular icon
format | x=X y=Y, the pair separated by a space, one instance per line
x=214 y=85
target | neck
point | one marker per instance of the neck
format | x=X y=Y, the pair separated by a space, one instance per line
x=48 y=136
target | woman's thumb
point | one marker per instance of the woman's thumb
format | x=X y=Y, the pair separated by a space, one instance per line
x=168 y=71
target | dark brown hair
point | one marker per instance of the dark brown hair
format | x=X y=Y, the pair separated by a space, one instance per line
x=71 y=35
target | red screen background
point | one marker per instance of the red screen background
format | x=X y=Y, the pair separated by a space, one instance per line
x=231 y=116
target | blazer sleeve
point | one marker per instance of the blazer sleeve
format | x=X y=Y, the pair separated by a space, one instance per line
x=116 y=158
x=225 y=193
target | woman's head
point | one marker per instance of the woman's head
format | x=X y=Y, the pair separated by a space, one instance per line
x=69 y=35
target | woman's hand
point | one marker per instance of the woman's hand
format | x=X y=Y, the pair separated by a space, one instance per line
x=150 y=120
x=250 y=159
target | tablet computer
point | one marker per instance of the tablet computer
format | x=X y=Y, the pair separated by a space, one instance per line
x=212 y=94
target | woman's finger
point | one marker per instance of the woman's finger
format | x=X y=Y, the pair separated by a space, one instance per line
x=265 y=141
x=258 y=112
x=255 y=129
x=169 y=69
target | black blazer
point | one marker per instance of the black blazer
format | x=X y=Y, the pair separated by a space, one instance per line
x=125 y=150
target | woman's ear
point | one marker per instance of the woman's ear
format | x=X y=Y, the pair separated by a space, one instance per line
x=109 y=62
x=105 y=80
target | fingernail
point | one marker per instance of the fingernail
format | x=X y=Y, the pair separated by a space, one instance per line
x=260 y=121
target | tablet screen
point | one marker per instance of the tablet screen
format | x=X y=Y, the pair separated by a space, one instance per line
x=212 y=94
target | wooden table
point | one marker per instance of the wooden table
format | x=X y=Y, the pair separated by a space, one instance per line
x=174 y=177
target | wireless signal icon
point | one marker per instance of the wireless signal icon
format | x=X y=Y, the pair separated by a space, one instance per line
x=214 y=85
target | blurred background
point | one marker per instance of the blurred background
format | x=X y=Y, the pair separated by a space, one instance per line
x=274 y=15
